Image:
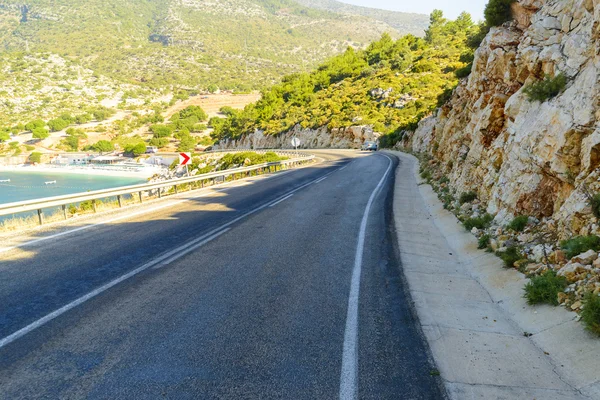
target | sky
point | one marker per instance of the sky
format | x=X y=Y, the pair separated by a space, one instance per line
x=451 y=9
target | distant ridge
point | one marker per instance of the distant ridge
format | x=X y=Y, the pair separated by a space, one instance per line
x=401 y=21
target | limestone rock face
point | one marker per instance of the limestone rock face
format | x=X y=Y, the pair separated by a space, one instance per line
x=526 y=157
x=351 y=137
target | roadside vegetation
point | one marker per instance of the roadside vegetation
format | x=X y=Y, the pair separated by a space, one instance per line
x=390 y=85
x=545 y=288
x=561 y=272
x=546 y=89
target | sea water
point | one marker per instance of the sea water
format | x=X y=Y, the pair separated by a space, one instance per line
x=31 y=185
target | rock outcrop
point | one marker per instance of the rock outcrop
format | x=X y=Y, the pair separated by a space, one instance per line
x=351 y=137
x=526 y=157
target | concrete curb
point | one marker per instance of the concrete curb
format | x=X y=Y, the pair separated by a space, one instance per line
x=473 y=313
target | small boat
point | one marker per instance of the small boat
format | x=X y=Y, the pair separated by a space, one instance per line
x=50 y=183
x=4 y=180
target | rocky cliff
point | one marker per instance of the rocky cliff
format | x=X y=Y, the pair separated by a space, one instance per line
x=337 y=138
x=526 y=157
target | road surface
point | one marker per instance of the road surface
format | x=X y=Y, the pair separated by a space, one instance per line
x=282 y=288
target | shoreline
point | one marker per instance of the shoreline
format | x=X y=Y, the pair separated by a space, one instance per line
x=144 y=172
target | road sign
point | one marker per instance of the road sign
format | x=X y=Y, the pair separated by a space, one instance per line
x=184 y=158
x=295 y=142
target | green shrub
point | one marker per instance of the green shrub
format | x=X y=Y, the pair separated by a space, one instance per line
x=136 y=149
x=426 y=175
x=464 y=71
x=40 y=133
x=519 y=223
x=590 y=314
x=498 y=12
x=510 y=256
x=35 y=157
x=484 y=242
x=595 y=203
x=161 y=131
x=479 y=222
x=545 y=288
x=580 y=244
x=546 y=89
x=467 y=197
x=159 y=142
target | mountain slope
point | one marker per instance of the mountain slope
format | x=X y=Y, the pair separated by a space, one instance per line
x=403 y=22
x=186 y=42
x=389 y=86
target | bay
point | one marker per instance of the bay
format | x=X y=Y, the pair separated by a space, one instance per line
x=31 y=185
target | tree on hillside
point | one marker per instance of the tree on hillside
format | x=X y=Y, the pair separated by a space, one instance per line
x=103 y=146
x=196 y=111
x=57 y=124
x=35 y=157
x=498 y=12
x=4 y=136
x=40 y=133
x=135 y=149
x=83 y=118
x=161 y=131
x=436 y=24
x=38 y=123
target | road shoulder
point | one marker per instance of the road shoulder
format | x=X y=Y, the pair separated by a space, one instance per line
x=474 y=316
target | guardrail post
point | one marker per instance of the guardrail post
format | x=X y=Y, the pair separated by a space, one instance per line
x=159 y=195
x=94 y=206
x=175 y=189
x=64 y=210
x=40 y=216
x=141 y=201
x=120 y=200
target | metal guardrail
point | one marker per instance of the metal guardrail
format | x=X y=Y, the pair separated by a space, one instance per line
x=63 y=201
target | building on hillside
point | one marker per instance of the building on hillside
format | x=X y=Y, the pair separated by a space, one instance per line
x=108 y=160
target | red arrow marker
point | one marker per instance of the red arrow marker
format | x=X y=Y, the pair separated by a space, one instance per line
x=184 y=158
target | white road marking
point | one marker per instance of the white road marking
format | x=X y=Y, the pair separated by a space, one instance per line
x=192 y=247
x=279 y=201
x=322 y=179
x=163 y=260
x=126 y=216
x=158 y=262
x=349 y=375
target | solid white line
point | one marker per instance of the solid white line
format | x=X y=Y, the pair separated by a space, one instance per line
x=192 y=247
x=126 y=216
x=279 y=201
x=321 y=180
x=349 y=375
x=160 y=261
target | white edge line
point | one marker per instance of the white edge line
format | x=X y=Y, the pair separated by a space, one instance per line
x=349 y=374
x=162 y=260
x=126 y=216
x=279 y=201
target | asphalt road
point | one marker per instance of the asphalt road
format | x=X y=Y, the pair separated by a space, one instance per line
x=243 y=293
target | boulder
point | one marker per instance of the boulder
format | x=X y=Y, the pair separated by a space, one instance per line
x=586 y=258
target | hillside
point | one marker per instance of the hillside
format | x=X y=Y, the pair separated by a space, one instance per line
x=403 y=22
x=57 y=54
x=388 y=87
x=185 y=42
